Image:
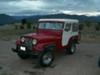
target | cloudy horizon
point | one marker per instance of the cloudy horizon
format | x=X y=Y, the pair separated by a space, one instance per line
x=38 y=7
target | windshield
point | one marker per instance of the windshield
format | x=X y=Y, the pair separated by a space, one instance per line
x=51 y=25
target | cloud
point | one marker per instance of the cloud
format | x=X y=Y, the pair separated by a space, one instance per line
x=21 y=5
x=70 y=4
x=93 y=13
x=48 y=6
x=5 y=0
x=9 y=0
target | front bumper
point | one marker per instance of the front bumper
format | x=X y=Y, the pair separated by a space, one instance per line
x=27 y=51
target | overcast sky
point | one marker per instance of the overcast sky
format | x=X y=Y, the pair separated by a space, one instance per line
x=34 y=7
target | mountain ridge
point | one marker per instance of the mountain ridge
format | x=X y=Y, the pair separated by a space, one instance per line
x=7 y=19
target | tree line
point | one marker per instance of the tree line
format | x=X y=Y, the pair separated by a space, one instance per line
x=24 y=24
x=31 y=25
x=89 y=24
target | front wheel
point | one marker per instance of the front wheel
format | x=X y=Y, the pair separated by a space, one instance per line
x=46 y=58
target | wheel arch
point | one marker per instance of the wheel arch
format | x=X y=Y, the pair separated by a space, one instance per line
x=50 y=47
x=72 y=40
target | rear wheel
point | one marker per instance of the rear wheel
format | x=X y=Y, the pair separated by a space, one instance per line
x=46 y=58
x=71 y=50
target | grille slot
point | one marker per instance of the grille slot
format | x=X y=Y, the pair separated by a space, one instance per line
x=27 y=43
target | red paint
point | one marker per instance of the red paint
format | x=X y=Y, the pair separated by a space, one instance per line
x=18 y=42
x=47 y=37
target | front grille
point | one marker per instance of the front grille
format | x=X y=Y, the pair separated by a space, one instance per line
x=27 y=43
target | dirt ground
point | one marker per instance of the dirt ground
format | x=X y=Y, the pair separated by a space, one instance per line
x=83 y=62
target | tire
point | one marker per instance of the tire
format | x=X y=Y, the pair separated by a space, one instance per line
x=71 y=50
x=23 y=56
x=46 y=58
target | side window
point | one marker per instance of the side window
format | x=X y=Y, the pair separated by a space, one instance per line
x=67 y=27
x=75 y=27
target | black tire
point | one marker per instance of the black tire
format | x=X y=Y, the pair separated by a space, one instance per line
x=46 y=60
x=23 y=56
x=71 y=50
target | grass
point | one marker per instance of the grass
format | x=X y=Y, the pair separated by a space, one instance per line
x=90 y=36
x=8 y=33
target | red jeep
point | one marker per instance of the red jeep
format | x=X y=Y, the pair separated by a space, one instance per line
x=52 y=35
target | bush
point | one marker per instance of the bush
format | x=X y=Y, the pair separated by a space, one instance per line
x=97 y=27
x=23 y=21
x=88 y=24
x=16 y=27
x=21 y=26
x=81 y=27
x=28 y=25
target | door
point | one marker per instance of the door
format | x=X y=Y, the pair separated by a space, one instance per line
x=66 y=34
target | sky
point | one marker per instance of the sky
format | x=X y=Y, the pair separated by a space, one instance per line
x=39 y=7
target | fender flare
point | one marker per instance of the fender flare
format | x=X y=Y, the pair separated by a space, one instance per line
x=72 y=40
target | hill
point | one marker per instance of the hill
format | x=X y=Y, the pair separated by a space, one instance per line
x=81 y=18
x=6 y=19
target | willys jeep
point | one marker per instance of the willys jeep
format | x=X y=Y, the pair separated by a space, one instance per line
x=52 y=35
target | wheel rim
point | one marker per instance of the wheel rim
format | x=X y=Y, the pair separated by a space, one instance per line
x=47 y=58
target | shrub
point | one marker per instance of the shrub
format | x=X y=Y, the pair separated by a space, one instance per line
x=28 y=25
x=97 y=27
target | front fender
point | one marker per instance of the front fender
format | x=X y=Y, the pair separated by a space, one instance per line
x=42 y=46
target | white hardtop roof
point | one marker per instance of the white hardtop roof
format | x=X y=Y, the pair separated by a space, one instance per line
x=60 y=20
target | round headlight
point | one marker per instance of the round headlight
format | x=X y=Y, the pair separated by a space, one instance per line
x=22 y=39
x=34 y=41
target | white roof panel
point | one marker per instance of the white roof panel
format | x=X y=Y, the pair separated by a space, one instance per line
x=60 y=20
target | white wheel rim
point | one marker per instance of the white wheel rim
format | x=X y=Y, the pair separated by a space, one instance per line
x=47 y=58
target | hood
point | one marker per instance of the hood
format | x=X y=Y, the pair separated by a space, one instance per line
x=42 y=34
x=38 y=36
